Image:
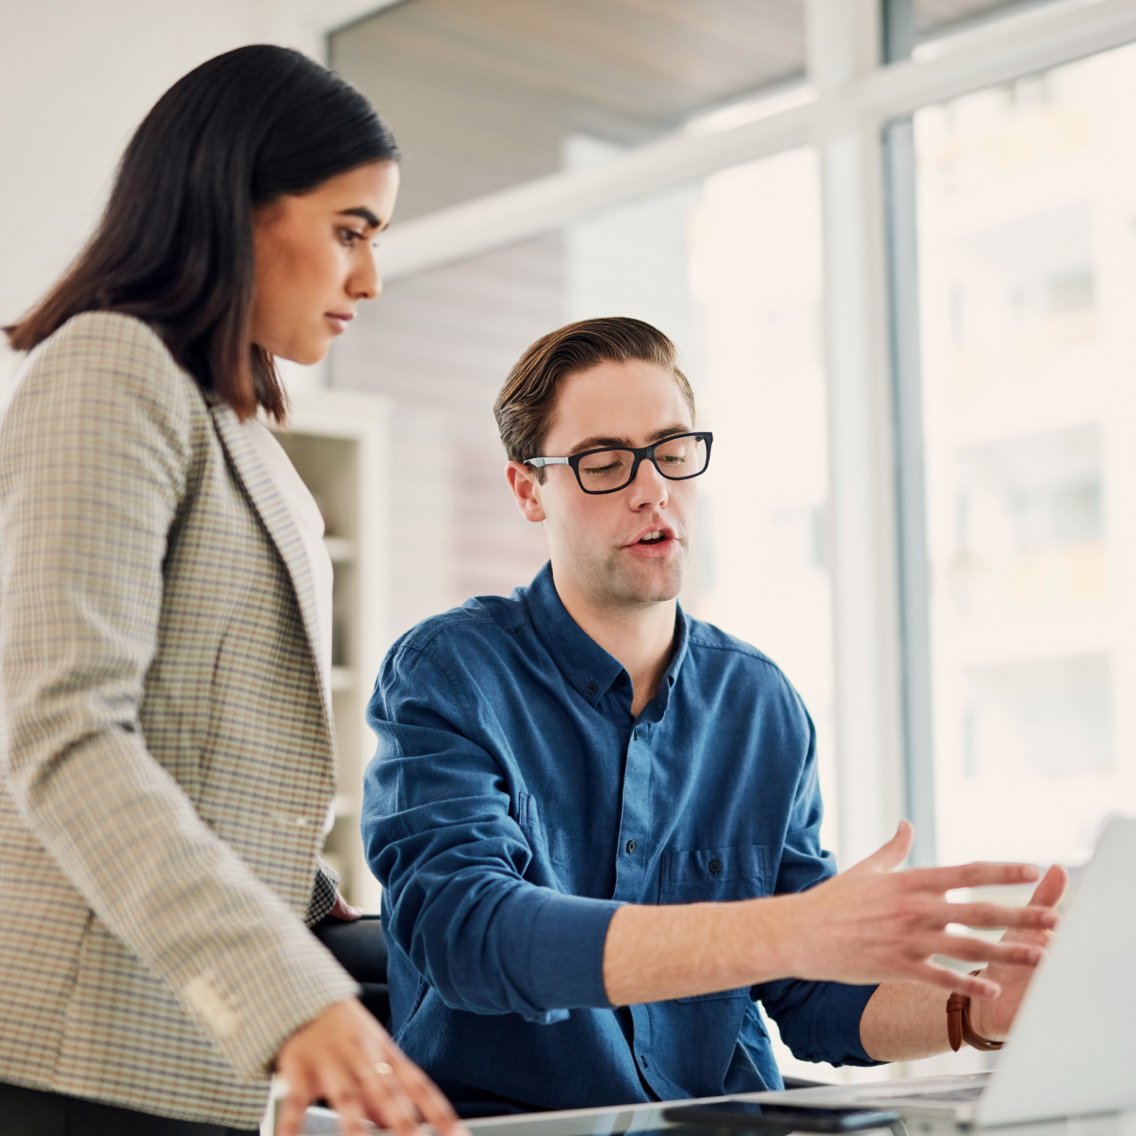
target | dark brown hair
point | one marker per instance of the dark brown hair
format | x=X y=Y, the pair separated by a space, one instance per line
x=175 y=247
x=525 y=405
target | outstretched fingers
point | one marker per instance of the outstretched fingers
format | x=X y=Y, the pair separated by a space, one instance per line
x=1051 y=888
x=965 y=948
x=979 y=873
x=888 y=856
x=953 y=981
x=1031 y=916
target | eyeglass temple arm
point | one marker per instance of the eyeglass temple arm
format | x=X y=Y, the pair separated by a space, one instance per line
x=540 y=463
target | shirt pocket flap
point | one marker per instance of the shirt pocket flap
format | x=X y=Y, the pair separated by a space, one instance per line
x=738 y=871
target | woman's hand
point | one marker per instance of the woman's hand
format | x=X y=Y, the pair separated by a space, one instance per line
x=343 y=911
x=345 y=1057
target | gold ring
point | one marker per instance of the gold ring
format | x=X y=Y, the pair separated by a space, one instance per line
x=382 y=1068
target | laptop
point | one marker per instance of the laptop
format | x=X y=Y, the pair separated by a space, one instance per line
x=1072 y=1050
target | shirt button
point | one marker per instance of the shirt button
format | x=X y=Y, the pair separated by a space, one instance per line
x=592 y=688
x=715 y=867
x=644 y=1062
x=631 y=846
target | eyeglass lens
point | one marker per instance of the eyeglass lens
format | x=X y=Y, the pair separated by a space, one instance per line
x=675 y=458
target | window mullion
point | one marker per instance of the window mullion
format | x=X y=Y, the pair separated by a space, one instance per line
x=843 y=43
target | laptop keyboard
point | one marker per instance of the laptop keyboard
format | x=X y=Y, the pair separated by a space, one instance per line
x=963 y=1093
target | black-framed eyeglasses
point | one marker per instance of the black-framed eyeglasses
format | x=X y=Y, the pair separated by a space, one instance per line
x=612 y=468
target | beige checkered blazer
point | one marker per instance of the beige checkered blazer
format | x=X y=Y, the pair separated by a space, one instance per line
x=165 y=750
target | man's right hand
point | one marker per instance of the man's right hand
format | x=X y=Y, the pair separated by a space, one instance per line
x=873 y=923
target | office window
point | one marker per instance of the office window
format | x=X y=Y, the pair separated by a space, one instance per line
x=486 y=95
x=1027 y=248
x=756 y=286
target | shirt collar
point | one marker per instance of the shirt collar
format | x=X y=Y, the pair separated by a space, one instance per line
x=585 y=664
x=682 y=642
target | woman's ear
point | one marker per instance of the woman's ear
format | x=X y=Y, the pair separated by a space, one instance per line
x=526 y=489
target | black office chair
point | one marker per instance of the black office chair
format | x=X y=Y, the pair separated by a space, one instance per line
x=362 y=951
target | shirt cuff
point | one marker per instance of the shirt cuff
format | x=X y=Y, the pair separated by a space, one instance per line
x=324 y=891
x=845 y=1004
x=565 y=953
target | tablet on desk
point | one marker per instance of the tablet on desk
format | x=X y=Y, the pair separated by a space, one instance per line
x=634 y=1120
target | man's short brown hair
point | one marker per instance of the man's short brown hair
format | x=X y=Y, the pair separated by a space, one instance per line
x=525 y=404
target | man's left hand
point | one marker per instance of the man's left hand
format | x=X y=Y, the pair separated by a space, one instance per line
x=992 y=1017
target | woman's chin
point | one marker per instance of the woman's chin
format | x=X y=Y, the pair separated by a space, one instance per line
x=302 y=355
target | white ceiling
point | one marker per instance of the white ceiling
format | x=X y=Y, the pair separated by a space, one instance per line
x=486 y=94
x=483 y=95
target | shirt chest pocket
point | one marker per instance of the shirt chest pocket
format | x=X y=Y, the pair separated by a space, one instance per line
x=739 y=871
x=702 y=875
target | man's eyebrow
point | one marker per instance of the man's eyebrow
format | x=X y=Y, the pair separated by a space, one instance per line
x=364 y=213
x=608 y=441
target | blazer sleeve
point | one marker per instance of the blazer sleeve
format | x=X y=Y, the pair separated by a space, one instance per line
x=98 y=451
x=323 y=893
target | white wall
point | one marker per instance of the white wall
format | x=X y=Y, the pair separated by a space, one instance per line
x=76 y=78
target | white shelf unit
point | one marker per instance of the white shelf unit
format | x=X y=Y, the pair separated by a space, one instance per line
x=337 y=442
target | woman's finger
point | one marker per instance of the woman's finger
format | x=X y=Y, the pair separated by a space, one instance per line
x=427 y=1099
x=292 y=1106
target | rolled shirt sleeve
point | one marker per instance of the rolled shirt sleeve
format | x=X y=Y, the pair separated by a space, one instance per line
x=441 y=833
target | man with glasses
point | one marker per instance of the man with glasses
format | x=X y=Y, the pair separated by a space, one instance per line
x=596 y=818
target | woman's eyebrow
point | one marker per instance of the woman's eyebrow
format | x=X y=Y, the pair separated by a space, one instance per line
x=364 y=213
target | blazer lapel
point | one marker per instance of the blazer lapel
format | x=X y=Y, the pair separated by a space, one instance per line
x=265 y=496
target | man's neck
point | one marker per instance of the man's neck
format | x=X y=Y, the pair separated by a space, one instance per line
x=640 y=636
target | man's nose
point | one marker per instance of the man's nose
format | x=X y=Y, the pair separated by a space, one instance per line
x=648 y=486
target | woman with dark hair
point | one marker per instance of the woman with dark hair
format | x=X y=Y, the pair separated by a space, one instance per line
x=165 y=733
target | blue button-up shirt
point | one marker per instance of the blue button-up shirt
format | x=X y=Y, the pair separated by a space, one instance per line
x=515 y=802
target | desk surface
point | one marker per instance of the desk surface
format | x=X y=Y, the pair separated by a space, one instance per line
x=648 y=1117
